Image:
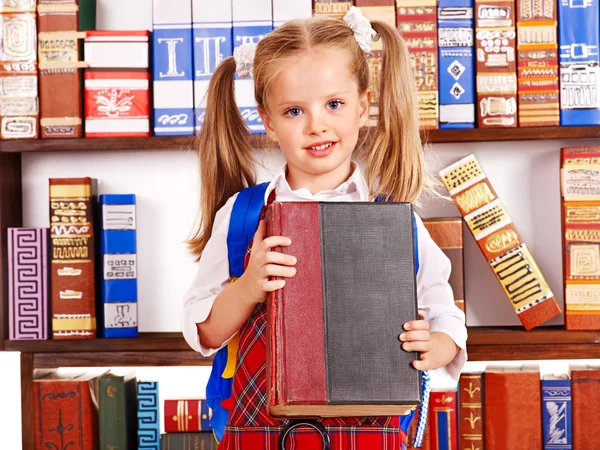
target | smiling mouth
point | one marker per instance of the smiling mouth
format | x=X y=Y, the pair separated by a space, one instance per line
x=321 y=147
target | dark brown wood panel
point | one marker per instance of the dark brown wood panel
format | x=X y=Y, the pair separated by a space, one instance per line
x=27 y=424
x=533 y=351
x=131 y=358
x=517 y=336
x=10 y=216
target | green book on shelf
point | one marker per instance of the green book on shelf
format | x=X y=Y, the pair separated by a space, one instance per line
x=188 y=441
x=87 y=15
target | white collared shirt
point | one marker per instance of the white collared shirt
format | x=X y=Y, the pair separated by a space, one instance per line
x=434 y=294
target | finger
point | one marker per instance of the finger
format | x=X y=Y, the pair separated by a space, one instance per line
x=280 y=258
x=416 y=325
x=276 y=241
x=274 y=270
x=418 y=335
x=417 y=346
x=273 y=285
x=422 y=365
x=259 y=236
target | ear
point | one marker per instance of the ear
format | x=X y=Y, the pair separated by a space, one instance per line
x=365 y=103
x=266 y=119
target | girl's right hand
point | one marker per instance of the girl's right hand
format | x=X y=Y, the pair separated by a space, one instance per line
x=265 y=263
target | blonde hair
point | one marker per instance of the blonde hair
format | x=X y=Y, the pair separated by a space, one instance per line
x=392 y=153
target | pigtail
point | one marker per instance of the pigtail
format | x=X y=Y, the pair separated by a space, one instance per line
x=394 y=157
x=225 y=152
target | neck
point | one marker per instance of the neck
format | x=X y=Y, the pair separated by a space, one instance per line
x=298 y=179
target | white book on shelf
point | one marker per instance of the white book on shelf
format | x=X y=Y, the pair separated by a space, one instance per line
x=126 y=15
x=286 y=10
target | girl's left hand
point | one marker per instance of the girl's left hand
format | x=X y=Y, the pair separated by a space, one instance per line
x=436 y=349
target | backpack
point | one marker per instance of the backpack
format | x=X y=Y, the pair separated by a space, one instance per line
x=244 y=220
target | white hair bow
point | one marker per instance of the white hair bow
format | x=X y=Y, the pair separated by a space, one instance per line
x=363 y=31
x=244 y=59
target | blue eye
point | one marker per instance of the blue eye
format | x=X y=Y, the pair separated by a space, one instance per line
x=293 y=112
x=335 y=104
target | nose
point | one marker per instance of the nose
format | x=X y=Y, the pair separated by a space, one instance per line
x=315 y=125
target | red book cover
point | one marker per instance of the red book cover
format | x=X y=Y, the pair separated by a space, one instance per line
x=412 y=432
x=65 y=415
x=186 y=416
x=442 y=420
x=585 y=394
x=471 y=423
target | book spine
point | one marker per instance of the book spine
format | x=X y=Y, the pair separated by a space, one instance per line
x=586 y=407
x=471 y=423
x=496 y=63
x=28 y=283
x=556 y=414
x=412 y=434
x=118 y=252
x=213 y=42
x=118 y=15
x=148 y=416
x=537 y=50
x=447 y=234
x=444 y=432
x=578 y=40
x=186 y=416
x=87 y=15
x=251 y=22
x=286 y=10
x=188 y=441
x=173 y=68
x=19 y=108
x=581 y=237
x=60 y=76
x=457 y=64
x=72 y=297
x=417 y=24
x=510 y=259
x=64 y=413
x=331 y=8
x=112 y=412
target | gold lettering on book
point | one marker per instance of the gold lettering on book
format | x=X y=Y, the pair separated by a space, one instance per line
x=585 y=260
x=583 y=235
x=332 y=8
x=582 y=214
x=501 y=241
x=471 y=390
x=70 y=253
x=475 y=197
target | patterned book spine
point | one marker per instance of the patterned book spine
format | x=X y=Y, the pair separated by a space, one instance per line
x=447 y=234
x=119 y=260
x=19 y=106
x=457 y=64
x=60 y=77
x=417 y=23
x=117 y=84
x=28 y=283
x=251 y=21
x=578 y=38
x=72 y=254
x=556 y=414
x=331 y=8
x=581 y=237
x=173 y=68
x=510 y=259
x=186 y=416
x=148 y=415
x=286 y=10
x=213 y=42
x=117 y=15
x=537 y=50
x=442 y=414
x=471 y=423
x=496 y=63
x=188 y=441
x=586 y=406
x=382 y=11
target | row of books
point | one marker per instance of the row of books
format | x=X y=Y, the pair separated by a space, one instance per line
x=114 y=411
x=516 y=408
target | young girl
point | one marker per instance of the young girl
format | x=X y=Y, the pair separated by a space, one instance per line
x=312 y=87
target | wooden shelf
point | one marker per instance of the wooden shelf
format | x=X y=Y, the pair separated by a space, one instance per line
x=170 y=349
x=185 y=143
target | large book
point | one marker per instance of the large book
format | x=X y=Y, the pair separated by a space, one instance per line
x=117 y=84
x=349 y=255
x=496 y=65
x=578 y=41
x=471 y=421
x=508 y=256
x=447 y=233
x=581 y=236
x=188 y=441
x=118 y=15
x=188 y=416
x=64 y=411
x=148 y=415
x=513 y=408
x=19 y=105
x=118 y=252
x=417 y=24
x=117 y=410
x=586 y=405
x=457 y=64
x=331 y=8
x=28 y=306
x=286 y=10
x=72 y=299
x=213 y=42
x=557 y=412
x=60 y=74
x=251 y=22
x=173 y=68
x=442 y=420
x=537 y=50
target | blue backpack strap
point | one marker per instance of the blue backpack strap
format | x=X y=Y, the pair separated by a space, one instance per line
x=242 y=226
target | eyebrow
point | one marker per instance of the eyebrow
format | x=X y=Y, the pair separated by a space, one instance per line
x=334 y=95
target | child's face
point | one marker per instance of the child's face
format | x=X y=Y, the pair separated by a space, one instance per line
x=314 y=114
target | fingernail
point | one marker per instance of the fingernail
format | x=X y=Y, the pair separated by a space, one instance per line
x=289 y=241
x=294 y=260
x=407 y=326
x=402 y=336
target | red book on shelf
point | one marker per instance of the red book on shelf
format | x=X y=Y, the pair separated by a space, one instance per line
x=442 y=420
x=412 y=432
x=471 y=418
x=190 y=416
x=585 y=394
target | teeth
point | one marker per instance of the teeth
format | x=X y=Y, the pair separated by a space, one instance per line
x=322 y=147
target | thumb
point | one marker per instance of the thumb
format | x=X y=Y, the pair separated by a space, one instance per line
x=259 y=236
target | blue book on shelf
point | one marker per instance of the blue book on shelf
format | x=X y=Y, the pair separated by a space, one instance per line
x=118 y=253
x=456 y=64
x=556 y=414
x=148 y=415
x=173 y=77
x=578 y=41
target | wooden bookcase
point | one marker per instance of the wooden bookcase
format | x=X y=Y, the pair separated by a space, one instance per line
x=170 y=349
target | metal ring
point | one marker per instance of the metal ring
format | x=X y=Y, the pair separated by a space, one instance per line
x=293 y=424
